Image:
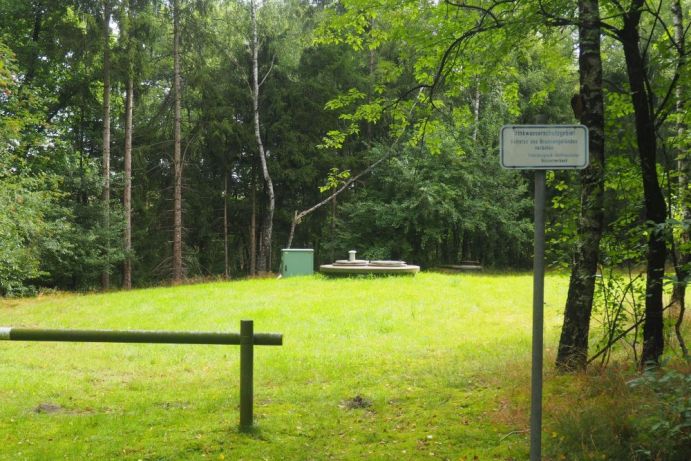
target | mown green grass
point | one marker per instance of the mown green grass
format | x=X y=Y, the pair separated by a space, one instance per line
x=440 y=361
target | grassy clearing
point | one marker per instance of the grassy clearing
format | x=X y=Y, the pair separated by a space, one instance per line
x=435 y=366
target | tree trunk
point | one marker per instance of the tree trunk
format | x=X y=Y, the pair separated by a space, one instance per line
x=573 y=344
x=476 y=110
x=127 y=198
x=35 y=35
x=226 y=272
x=83 y=196
x=105 y=275
x=253 y=234
x=655 y=209
x=332 y=237
x=372 y=84
x=177 y=156
x=683 y=258
x=268 y=218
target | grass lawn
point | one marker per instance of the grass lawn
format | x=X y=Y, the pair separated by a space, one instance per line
x=430 y=367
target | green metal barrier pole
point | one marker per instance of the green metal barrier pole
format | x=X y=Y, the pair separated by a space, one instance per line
x=246 y=374
x=246 y=339
x=134 y=336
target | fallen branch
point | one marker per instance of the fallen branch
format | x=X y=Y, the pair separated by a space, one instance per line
x=524 y=431
x=300 y=215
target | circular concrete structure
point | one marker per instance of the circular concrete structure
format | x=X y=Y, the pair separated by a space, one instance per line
x=371 y=267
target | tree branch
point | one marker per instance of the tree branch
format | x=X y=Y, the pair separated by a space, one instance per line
x=620 y=336
x=300 y=215
x=271 y=66
x=656 y=16
x=555 y=20
x=619 y=6
x=447 y=54
x=659 y=115
x=480 y=27
x=484 y=11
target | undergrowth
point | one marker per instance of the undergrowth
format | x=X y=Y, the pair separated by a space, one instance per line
x=618 y=414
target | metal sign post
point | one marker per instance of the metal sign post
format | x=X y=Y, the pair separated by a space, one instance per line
x=541 y=148
x=538 y=320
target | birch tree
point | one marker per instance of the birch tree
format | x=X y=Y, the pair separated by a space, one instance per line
x=263 y=263
x=589 y=108
x=683 y=256
x=105 y=274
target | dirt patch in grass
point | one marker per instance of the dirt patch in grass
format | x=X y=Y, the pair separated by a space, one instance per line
x=356 y=402
x=48 y=408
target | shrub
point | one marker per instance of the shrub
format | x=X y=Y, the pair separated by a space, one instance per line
x=665 y=425
x=593 y=422
x=606 y=417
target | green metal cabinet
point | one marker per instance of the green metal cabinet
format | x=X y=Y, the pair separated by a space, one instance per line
x=297 y=261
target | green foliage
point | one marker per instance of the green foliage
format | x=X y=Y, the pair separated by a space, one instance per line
x=618 y=307
x=619 y=301
x=618 y=106
x=562 y=215
x=596 y=423
x=22 y=229
x=30 y=226
x=334 y=180
x=51 y=232
x=6 y=59
x=45 y=239
x=646 y=418
x=666 y=421
x=597 y=432
x=436 y=209
x=442 y=210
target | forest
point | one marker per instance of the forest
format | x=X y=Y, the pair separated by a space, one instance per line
x=147 y=142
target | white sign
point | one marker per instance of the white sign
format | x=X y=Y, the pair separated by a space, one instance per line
x=544 y=147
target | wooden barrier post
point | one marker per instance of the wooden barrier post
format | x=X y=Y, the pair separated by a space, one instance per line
x=246 y=374
x=247 y=339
